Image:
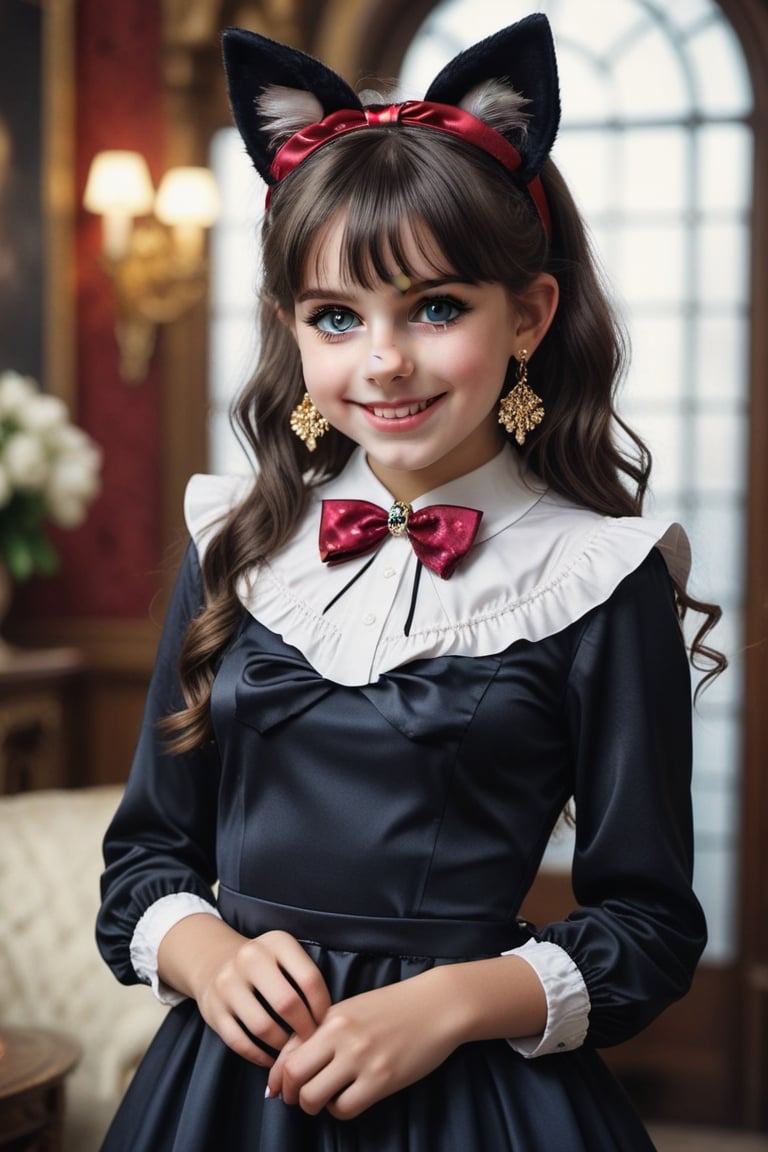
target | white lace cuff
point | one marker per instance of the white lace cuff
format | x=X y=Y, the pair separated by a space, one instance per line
x=567 y=1000
x=158 y=919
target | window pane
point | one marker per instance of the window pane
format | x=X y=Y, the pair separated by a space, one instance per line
x=596 y=26
x=716 y=748
x=724 y=171
x=649 y=78
x=721 y=80
x=651 y=264
x=654 y=170
x=687 y=14
x=714 y=807
x=720 y=451
x=657 y=360
x=584 y=160
x=723 y=265
x=487 y=17
x=715 y=882
x=722 y=349
x=587 y=91
x=717 y=539
x=662 y=432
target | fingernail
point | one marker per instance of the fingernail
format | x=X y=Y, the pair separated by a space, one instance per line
x=268 y=1093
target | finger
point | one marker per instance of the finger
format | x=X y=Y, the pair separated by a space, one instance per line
x=296 y=995
x=258 y=1021
x=352 y=1100
x=244 y=1043
x=266 y=1049
x=283 y=1009
x=275 y=1080
x=301 y=972
x=301 y=1064
x=324 y=1091
x=270 y=1011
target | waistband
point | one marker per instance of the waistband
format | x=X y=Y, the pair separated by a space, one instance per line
x=390 y=935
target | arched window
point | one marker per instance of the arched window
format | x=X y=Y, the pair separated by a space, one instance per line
x=656 y=146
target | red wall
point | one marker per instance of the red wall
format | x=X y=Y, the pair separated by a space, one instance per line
x=109 y=566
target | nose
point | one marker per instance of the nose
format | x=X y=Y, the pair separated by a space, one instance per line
x=388 y=362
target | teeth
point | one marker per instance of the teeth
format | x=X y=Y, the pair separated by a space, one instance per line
x=399 y=413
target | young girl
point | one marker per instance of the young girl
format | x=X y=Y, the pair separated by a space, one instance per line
x=433 y=617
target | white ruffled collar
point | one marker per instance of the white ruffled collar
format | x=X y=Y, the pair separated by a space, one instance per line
x=538 y=563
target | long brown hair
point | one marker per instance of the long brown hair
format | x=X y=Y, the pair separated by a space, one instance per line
x=382 y=180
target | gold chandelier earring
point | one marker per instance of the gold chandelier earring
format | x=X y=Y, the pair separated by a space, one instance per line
x=521 y=410
x=308 y=423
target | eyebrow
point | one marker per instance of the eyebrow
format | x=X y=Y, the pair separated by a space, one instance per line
x=345 y=296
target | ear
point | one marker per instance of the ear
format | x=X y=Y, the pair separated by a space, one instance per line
x=535 y=309
x=522 y=56
x=286 y=318
x=253 y=63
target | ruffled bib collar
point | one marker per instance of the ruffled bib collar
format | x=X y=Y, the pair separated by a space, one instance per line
x=538 y=563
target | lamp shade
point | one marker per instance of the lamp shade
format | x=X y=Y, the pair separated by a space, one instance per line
x=119 y=182
x=187 y=196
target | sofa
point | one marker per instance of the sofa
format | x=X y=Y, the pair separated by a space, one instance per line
x=51 y=974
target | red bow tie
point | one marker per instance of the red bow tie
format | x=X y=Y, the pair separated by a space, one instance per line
x=440 y=535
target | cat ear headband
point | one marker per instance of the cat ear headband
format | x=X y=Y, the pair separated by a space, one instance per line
x=521 y=57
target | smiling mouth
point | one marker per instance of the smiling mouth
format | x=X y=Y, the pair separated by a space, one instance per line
x=400 y=411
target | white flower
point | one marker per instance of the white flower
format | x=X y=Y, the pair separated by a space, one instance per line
x=66 y=439
x=73 y=477
x=15 y=392
x=25 y=461
x=42 y=414
x=49 y=471
x=65 y=509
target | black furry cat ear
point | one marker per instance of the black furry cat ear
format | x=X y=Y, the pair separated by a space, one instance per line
x=270 y=83
x=522 y=57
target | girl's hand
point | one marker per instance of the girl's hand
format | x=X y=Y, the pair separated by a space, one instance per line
x=253 y=993
x=366 y=1048
x=369 y=1046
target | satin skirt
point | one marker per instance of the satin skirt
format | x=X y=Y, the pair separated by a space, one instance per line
x=193 y=1094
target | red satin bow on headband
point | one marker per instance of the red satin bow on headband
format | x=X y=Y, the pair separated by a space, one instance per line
x=440 y=535
x=442 y=117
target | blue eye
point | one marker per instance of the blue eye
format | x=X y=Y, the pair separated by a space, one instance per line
x=334 y=321
x=442 y=310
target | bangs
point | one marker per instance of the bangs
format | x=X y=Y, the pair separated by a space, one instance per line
x=402 y=193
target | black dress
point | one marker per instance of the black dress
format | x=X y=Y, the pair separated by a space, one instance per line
x=399 y=825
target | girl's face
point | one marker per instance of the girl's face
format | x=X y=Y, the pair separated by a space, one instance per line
x=410 y=369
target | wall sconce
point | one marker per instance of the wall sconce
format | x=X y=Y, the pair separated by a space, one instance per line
x=156 y=261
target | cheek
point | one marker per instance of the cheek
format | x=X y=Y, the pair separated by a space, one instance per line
x=311 y=356
x=321 y=369
x=478 y=366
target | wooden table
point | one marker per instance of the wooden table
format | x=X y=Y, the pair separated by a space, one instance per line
x=33 y=1065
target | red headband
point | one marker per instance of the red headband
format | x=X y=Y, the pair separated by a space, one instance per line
x=442 y=117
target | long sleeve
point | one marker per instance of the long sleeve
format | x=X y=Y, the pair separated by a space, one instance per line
x=639 y=930
x=162 y=838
